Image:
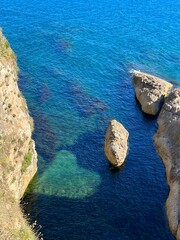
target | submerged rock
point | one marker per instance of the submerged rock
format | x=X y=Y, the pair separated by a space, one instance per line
x=65 y=178
x=116 y=143
x=150 y=91
x=167 y=142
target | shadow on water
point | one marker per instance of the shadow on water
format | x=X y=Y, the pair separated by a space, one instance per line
x=92 y=218
x=108 y=213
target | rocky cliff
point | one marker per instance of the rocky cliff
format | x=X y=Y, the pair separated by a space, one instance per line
x=154 y=95
x=167 y=142
x=18 y=158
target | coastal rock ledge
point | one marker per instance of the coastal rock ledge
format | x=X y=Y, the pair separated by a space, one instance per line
x=167 y=143
x=116 y=145
x=150 y=91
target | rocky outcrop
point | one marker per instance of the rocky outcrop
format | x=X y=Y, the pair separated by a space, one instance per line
x=150 y=91
x=18 y=158
x=167 y=142
x=116 y=145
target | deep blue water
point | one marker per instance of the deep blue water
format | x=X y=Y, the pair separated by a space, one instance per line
x=74 y=59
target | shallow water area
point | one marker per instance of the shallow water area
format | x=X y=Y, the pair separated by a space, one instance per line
x=64 y=178
x=75 y=59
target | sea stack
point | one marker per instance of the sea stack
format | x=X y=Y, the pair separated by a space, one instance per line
x=167 y=142
x=150 y=91
x=18 y=157
x=116 y=145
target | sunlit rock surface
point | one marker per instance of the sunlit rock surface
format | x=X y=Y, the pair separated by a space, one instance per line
x=167 y=142
x=150 y=91
x=18 y=157
x=116 y=145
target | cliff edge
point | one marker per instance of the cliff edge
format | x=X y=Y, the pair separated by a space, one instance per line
x=18 y=158
x=167 y=142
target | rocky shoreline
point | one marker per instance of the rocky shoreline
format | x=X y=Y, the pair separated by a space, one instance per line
x=154 y=95
x=167 y=143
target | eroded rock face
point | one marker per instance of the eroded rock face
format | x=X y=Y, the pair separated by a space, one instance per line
x=167 y=142
x=150 y=91
x=116 y=145
x=18 y=158
x=18 y=155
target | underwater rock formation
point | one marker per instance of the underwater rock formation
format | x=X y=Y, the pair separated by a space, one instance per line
x=74 y=182
x=150 y=91
x=18 y=158
x=116 y=145
x=167 y=143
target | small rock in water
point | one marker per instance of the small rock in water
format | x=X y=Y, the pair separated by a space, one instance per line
x=116 y=145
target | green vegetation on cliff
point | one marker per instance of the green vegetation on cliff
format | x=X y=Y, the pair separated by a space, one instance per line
x=6 y=53
x=27 y=161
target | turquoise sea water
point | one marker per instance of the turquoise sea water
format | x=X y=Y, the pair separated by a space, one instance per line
x=75 y=59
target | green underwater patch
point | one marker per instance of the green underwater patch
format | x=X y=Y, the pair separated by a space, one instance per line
x=65 y=178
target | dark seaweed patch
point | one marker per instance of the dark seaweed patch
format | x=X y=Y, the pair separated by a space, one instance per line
x=63 y=44
x=45 y=137
x=51 y=72
x=44 y=93
x=85 y=104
